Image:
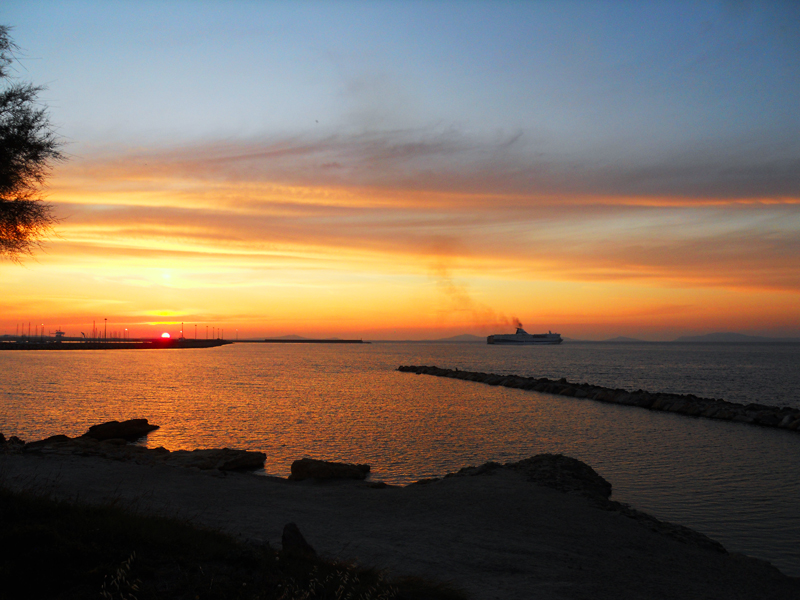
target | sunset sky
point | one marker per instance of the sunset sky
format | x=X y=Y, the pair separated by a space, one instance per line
x=410 y=170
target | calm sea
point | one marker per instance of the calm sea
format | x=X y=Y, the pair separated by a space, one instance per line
x=738 y=484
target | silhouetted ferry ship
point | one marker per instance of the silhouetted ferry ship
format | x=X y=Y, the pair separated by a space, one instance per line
x=523 y=338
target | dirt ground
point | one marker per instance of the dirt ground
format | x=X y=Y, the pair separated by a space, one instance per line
x=495 y=535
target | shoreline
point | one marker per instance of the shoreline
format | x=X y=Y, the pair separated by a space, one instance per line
x=543 y=527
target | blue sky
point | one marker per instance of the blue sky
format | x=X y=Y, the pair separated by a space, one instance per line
x=574 y=77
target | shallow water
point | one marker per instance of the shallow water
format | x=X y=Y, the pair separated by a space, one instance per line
x=738 y=484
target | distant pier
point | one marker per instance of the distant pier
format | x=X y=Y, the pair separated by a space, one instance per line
x=140 y=344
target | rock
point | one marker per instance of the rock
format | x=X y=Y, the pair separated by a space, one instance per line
x=2 y=439
x=768 y=419
x=565 y=474
x=294 y=543
x=484 y=469
x=115 y=442
x=309 y=468
x=130 y=430
x=225 y=459
x=556 y=471
x=742 y=419
x=53 y=439
x=426 y=481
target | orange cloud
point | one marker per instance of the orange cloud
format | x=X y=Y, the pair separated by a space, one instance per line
x=365 y=232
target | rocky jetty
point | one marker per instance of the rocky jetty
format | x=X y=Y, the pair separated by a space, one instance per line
x=684 y=404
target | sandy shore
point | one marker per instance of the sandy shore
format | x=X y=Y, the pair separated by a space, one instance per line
x=495 y=534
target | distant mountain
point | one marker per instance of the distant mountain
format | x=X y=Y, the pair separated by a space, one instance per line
x=462 y=338
x=622 y=338
x=300 y=337
x=732 y=337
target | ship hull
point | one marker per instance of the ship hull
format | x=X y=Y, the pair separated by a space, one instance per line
x=522 y=338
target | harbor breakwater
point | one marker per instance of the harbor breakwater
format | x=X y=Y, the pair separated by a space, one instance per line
x=684 y=404
x=155 y=344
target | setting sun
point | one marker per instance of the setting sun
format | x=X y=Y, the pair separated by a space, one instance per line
x=165 y=335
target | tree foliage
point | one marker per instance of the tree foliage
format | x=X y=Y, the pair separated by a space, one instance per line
x=28 y=149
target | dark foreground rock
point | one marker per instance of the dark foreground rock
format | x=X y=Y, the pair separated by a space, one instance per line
x=684 y=404
x=562 y=473
x=571 y=476
x=110 y=440
x=219 y=459
x=309 y=468
x=224 y=459
x=130 y=430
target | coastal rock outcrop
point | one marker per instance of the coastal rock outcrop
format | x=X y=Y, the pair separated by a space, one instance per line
x=309 y=468
x=571 y=476
x=116 y=448
x=557 y=471
x=224 y=459
x=11 y=444
x=130 y=430
x=685 y=404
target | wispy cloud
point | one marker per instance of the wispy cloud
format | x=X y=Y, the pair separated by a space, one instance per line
x=445 y=160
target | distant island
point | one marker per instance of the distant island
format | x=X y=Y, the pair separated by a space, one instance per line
x=297 y=339
x=732 y=337
x=462 y=338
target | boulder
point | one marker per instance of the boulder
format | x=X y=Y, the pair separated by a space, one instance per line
x=565 y=474
x=556 y=471
x=309 y=468
x=53 y=439
x=768 y=419
x=225 y=459
x=130 y=430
